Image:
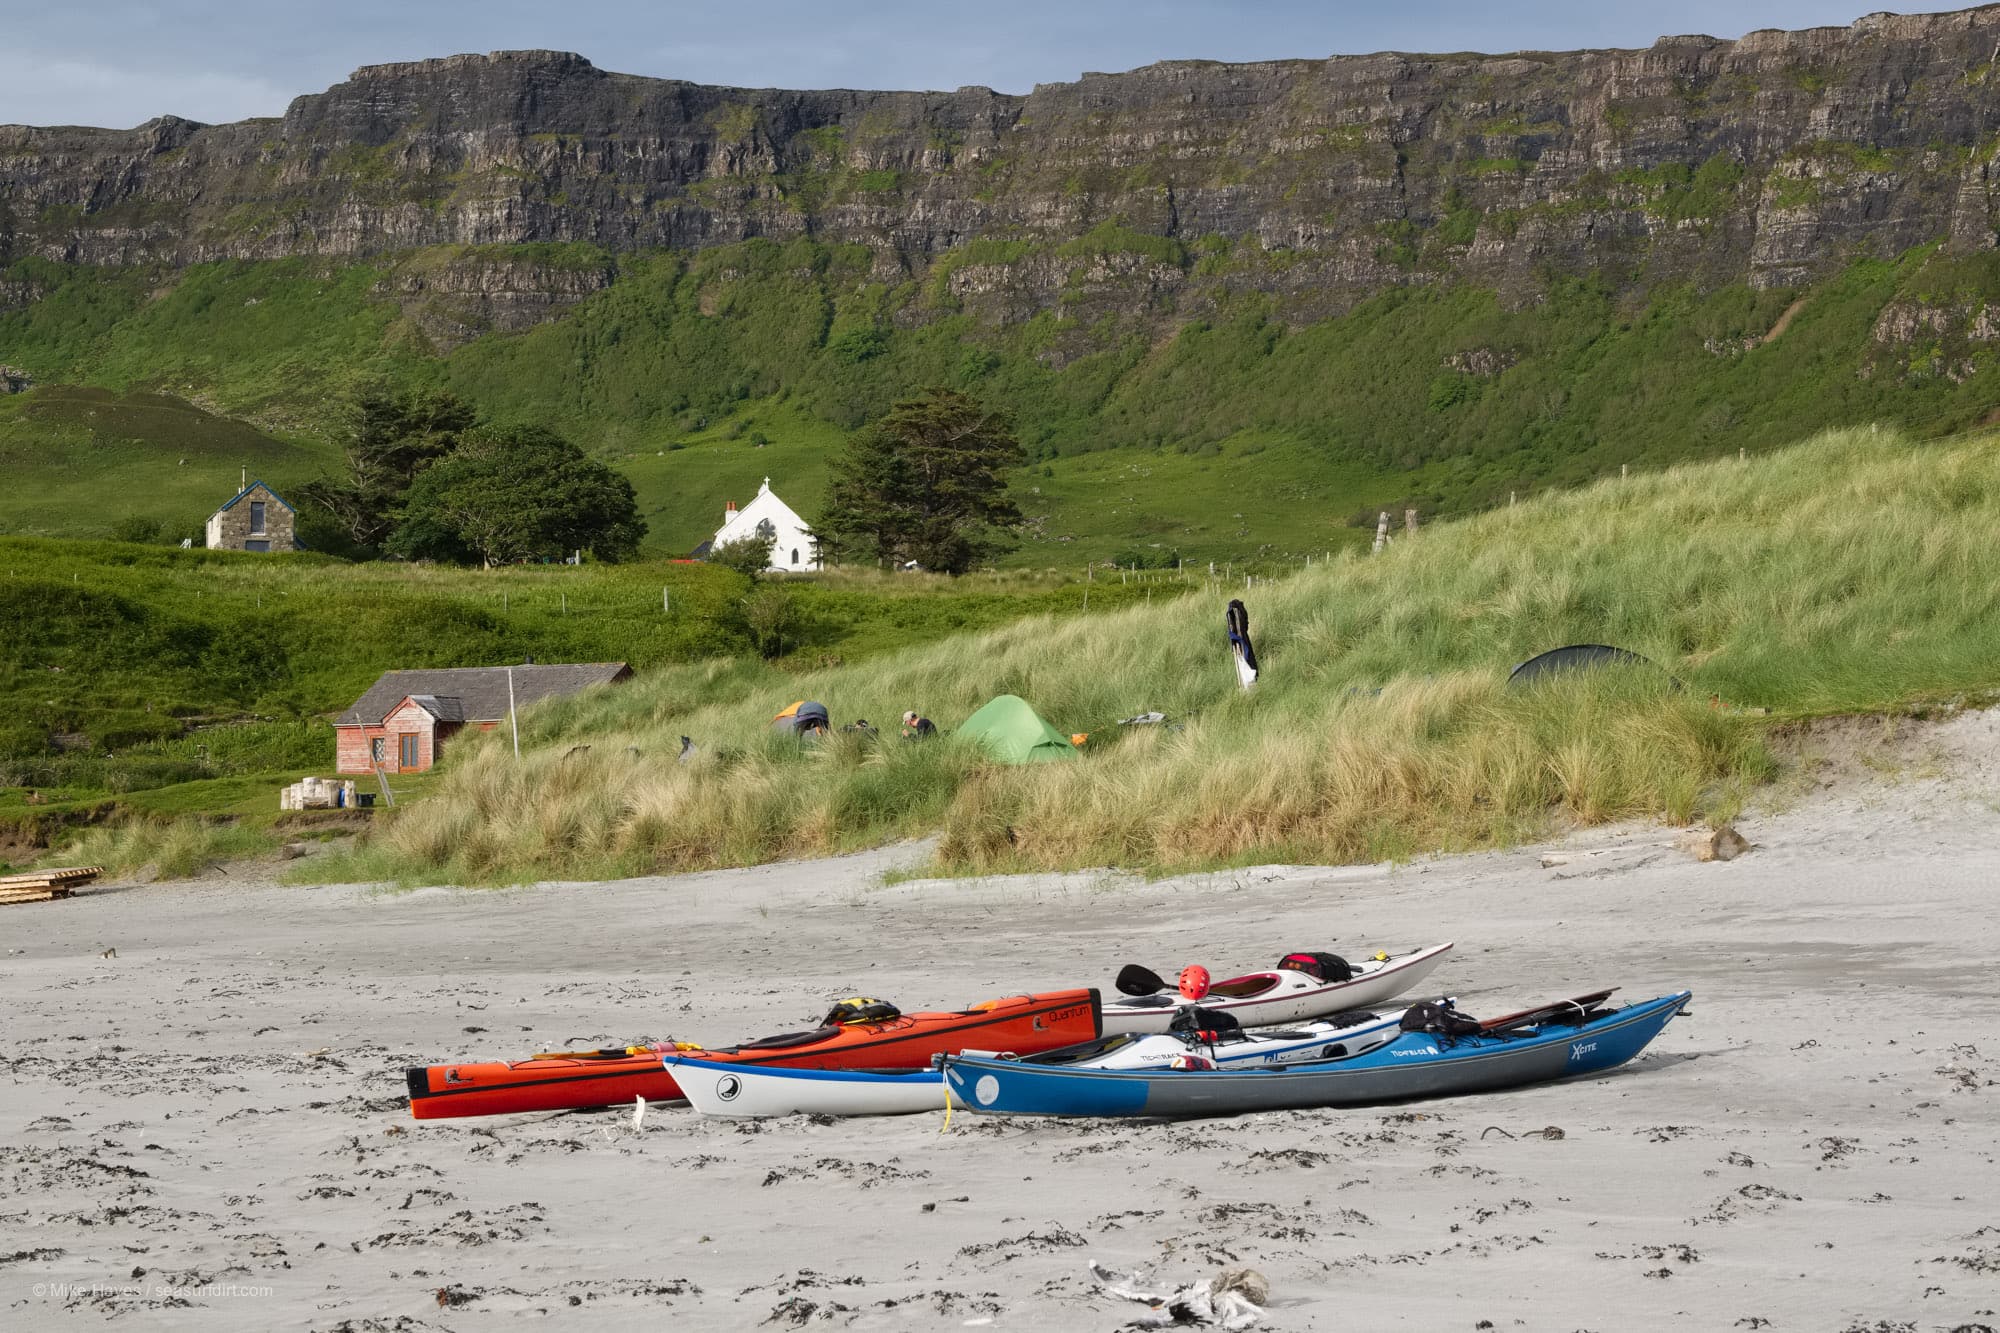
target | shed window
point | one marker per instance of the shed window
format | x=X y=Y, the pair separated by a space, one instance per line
x=256 y=516
x=409 y=739
x=255 y=545
x=795 y=555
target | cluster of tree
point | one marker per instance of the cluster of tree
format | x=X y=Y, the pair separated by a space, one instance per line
x=426 y=480
x=925 y=483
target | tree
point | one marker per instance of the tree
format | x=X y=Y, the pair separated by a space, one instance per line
x=926 y=483
x=392 y=437
x=746 y=555
x=520 y=492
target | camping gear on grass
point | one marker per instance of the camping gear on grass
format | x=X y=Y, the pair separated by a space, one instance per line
x=857 y=1034
x=1295 y=990
x=1579 y=657
x=1413 y=1064
x=803 y=718
x=1238 y=621
x=735 y=1090
x=1013 y=733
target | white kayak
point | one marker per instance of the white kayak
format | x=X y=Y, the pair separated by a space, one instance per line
x=1281 y=995
x=715 y=1088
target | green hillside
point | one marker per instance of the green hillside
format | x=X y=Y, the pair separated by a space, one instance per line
x=1227 y=436
x=1854 y=573
x=89 y=462
x=144 y=678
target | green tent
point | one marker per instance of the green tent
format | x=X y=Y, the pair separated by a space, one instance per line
x=1014 y=733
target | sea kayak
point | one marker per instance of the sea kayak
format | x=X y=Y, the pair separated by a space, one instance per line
x=1415 y=1064
x=579 y=1079
x=727 y=1089
x=1281 y=995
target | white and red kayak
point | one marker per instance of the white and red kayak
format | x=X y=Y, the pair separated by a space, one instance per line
x=1266 y=999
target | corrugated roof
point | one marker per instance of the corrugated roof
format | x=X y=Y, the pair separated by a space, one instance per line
x=480 y=692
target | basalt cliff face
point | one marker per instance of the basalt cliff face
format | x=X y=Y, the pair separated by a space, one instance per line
x=1770 y=160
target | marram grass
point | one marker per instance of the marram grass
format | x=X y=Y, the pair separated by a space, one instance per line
x=1856 y=572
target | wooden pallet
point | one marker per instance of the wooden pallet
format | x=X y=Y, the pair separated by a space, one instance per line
x=39 y=886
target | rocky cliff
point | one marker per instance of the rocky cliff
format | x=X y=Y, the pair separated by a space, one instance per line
x=1773 y=160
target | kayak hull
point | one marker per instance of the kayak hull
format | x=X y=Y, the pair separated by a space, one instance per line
x=735 y=1090
x=716 y=1088
x=1293 y=997
x=1414 y=1065
x=1021 y=1023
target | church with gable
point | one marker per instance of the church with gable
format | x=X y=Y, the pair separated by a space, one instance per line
x=767 y=518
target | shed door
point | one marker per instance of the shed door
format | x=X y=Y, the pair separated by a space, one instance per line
x=409 y=739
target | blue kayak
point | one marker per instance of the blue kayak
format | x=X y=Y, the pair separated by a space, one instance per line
x=1416 y=1064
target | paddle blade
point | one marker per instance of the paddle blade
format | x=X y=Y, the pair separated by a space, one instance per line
x=1136 y=980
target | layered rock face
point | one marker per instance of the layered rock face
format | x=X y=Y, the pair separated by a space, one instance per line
x=1772 y=160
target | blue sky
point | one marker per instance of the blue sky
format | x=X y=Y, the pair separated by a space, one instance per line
x=121 y=62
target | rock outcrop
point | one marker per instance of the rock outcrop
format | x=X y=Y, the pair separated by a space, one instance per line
x=1771 y=159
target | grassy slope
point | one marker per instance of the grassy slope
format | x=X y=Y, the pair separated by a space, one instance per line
x=1855 y=572
x=83 y=459
x=159 y=677
x=1141 y=433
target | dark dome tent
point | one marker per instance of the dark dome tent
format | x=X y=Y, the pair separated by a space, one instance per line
x=1580 y=657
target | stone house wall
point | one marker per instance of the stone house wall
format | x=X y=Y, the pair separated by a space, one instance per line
x=232 y=529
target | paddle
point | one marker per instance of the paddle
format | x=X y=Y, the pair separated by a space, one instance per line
x=1547 y=1011
x=1136 y=980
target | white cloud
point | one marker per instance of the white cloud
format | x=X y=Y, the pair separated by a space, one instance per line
x=37 y=90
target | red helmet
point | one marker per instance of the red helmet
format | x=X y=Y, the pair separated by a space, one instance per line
x=1194 y=981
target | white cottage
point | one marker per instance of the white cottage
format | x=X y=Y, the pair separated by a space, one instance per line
x=767 y=518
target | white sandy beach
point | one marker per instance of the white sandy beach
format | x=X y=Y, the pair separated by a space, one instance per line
x=208 y=1129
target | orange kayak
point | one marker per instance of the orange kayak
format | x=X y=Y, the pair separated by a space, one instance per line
x=578 y=1079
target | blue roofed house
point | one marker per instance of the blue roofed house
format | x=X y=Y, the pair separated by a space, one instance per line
x=258 y=519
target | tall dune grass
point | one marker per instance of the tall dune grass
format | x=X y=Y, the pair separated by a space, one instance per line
x=1852 y=573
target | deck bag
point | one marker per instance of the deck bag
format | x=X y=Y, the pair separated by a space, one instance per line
x=860 y=1009
x=1325 y=966
x=1205 y=1027
x=1440 y=1017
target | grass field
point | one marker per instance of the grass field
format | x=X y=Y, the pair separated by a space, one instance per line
x=140 y=674
x=84 y=461
x=1854 y=573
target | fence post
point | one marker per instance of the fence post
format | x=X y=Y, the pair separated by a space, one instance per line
x=1381 y=533
x=1624 y=471
x=666 y=603
x=1409 y=520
